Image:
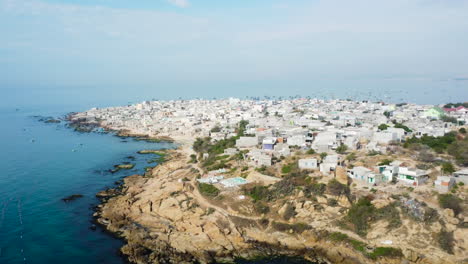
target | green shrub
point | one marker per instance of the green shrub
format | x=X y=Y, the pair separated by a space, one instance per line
x=341 y=149
x=448 y=168
x=399 y=125
x=338 y=237
x=450 y=201
x=388 y=252
x=360 y=214
x=310 y=151
x=261 y=208
x=216 y=129
x=258 y=193
x=336 y=188
x=389 y=213
x=373 y=153
x=357 y=245
x=286 y=169
x=315 y=188
x=382 y=127
x=385 y=162
x=459 y=150
x=351 y=156
x=445 y=240
x=210 y=211
x=193 y=158
x=449 y=119
x=332 y=202
x=436 y=143
x=208 y=189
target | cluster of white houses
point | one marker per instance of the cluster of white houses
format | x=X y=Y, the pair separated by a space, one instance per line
x=276 y=128
x=388 y=173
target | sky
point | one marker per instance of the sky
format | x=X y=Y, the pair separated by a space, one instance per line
x=119 y=51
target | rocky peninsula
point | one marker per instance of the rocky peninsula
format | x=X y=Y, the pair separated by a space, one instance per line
x=180 y=212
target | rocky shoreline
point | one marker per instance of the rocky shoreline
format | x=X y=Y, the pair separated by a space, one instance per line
x=162 y=221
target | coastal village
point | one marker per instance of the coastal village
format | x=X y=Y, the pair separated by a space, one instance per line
x=386 y=181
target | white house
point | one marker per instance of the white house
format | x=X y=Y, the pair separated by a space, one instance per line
x=461 y=176
x=400 y=132
x=390 y=171
x=412 y=176
x=325 y=141
x=443 y=184
x=297 y=140
x=269 y=143
x=307 y=164
x=263 y=160
x=329 y=164
x=365 y=175
x=385 y=137
x=247 y=142
x=282 y=149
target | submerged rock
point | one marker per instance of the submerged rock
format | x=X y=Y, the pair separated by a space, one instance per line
x=72 y=197
x=125 y=166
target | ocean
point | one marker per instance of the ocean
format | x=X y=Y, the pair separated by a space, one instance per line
x=44 y=162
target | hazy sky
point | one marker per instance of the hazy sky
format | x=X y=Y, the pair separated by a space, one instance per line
x=126 y=50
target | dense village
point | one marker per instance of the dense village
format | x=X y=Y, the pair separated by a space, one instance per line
x=278 y=158
x=276 y=129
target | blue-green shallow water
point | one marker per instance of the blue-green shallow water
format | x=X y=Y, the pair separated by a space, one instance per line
x=36 y=226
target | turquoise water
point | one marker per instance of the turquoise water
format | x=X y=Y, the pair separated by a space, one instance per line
x=43 y=163
x=36 y=226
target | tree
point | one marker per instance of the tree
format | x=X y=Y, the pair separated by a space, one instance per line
x=323 y=155
x=449 y=119
x=382 y=127
x=462 y=130
x=242 y=127
x=399 y=125
x=216 y=129
x=310 y=151
x=385 y=162
x=387 y=114
x=448 y=168
x=341 y=149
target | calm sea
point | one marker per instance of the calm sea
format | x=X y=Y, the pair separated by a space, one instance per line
x=43 y=163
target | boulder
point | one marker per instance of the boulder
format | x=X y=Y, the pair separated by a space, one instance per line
x=449 y=212
x=452 y=220
x=410 y=255
x=380 y=203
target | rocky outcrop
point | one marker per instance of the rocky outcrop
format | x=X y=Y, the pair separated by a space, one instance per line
x=164 y=219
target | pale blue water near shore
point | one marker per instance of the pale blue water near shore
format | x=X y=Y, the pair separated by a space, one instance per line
x=43 y=163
